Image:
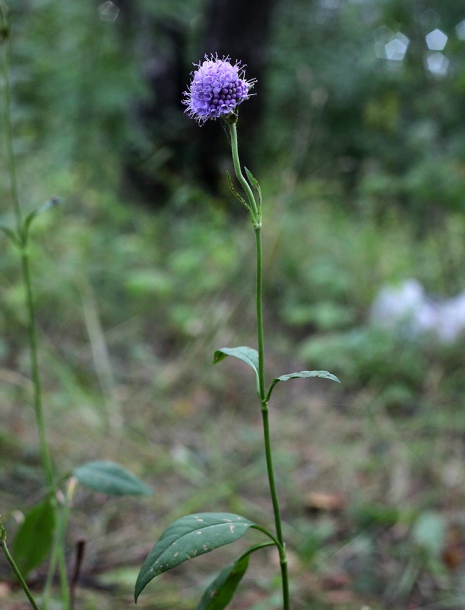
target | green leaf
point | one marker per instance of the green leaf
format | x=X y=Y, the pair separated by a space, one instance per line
x=235 y=193
x=51 y=203
x=110 y=478
x=255 y=185
x=221 y=590
x=34 y=537
x=187 y=538
x=244 y=353
x=301 y=375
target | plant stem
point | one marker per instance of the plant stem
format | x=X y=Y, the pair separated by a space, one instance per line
x=259 y=306
x=256 y=547
x=15 y=569
x=32 y=334
x=62 y=568
x=266 y=424
x=22 y=241
x=240 y=176
x=256 y=219
x=22 y=236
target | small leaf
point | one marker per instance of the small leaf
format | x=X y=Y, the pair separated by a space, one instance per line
x=301 y=375
x=244 y=353
x=255 y=185
x=51 y=203
x=250 y=177
x=187 y=538
x=306 y=375
x=235 y=193
x=220 y=592
x=110 y=478
x=34 y=537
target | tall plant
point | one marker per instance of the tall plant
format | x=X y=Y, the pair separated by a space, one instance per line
x=217 y=88
x=41 y=536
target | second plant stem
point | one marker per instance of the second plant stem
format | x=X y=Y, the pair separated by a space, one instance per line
x=15 y=569
x=22 y=237
x=22 y=241
x=32 y=333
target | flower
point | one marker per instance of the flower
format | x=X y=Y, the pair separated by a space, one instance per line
x=217 y=88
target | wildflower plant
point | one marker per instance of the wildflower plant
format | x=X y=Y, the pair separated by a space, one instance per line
x=41 y=536
x=217 y=89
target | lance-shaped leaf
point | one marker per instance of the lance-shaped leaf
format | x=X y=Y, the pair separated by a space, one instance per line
x=301 y=375
x=244 y=353
x=221 y=590
x=254 y=183
x=235 y=193
x=34 y=537
x=51 y=203
x=187 y=538
x=110 y=478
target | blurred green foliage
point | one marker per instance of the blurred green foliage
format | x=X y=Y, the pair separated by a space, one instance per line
x=391 y=130
x=362 y=167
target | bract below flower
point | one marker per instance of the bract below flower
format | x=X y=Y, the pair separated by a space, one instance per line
x=216 y=89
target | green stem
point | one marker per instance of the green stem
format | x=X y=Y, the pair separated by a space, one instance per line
x=240 y=175
x=267 y=532
x=32 y=334
x=254 y=548
x=15 y=569
x=62 y=568
x=256 y=220
x=266 y=424
x=259 y=307
x=57 y=559
x=22 y=237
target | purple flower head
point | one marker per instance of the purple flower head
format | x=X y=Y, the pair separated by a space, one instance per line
x=217 y=88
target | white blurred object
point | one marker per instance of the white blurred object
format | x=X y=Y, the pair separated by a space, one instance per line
x=436 y=40
x=108 y=11
x=408 y=308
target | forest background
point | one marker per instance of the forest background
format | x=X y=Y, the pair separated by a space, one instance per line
x=357 y=136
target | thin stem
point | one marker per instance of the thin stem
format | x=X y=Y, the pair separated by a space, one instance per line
x=269 y=534
x=57 y=558
x=256 y=547
x=22 y=236
x=16 y=570
x=62 y=567
x=22 y=240
x=259 y=308
x=240 y=175
x=37 y=389
x=266 y=422
x=257 y=222
x=271 y=477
